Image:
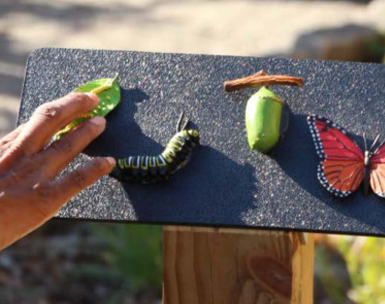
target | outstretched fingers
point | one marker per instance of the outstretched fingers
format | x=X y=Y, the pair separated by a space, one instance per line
x=51 y=196
x=82 y=177
x=7 y=140
x=61 y=152
x=51 y=117
x=21 y=214
x=11 y=136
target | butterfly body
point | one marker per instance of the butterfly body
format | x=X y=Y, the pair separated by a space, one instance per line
x=366 y=181
x=344 y=166
x=367 y=158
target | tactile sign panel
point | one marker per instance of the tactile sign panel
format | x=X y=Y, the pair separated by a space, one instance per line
x=225 y=183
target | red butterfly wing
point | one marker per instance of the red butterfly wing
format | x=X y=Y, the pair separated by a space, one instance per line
x=342 y=168
x=377 y=171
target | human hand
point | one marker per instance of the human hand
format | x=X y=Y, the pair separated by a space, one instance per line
x=30 y=192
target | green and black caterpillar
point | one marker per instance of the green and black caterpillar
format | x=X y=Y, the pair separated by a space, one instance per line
x=152 y=169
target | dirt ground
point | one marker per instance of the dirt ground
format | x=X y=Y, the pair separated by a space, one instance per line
x=246 y=27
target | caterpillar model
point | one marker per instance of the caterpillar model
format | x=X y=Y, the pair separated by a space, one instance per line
x=152 y=169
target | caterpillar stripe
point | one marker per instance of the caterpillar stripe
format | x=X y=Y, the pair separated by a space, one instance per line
x=151 y=169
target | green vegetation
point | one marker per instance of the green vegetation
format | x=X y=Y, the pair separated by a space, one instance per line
x=350 y=269
x=127 y=257
x=332 y=279
x=134 y=253
x=365 y=258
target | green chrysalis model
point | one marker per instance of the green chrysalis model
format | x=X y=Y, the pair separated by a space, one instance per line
x=263 y=120
x=108 y=91
x=263 y=109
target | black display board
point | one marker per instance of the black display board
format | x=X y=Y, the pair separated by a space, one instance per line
x=225 y=184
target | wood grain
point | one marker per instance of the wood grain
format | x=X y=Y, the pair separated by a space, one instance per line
x=227 y=266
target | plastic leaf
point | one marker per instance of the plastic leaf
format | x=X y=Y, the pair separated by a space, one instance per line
x=108 y=92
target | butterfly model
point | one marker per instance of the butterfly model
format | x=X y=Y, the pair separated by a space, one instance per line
x=343 y=165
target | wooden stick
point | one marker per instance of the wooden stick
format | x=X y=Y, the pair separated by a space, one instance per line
x=260 y=79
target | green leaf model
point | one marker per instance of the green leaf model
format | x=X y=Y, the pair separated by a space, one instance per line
x=108 y=91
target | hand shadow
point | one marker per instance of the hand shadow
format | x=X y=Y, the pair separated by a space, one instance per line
x=123 y=135
x=203 y=192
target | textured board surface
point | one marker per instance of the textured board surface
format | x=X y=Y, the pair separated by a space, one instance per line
x=225 y=184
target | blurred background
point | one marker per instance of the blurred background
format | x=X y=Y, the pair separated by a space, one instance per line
x=79 y=262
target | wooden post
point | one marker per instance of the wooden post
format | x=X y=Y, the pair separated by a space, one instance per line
x=237 y=266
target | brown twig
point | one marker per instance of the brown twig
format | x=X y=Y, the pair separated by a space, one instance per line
x=260 y=79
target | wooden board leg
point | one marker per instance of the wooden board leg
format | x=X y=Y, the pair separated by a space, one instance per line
x=228 y=266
